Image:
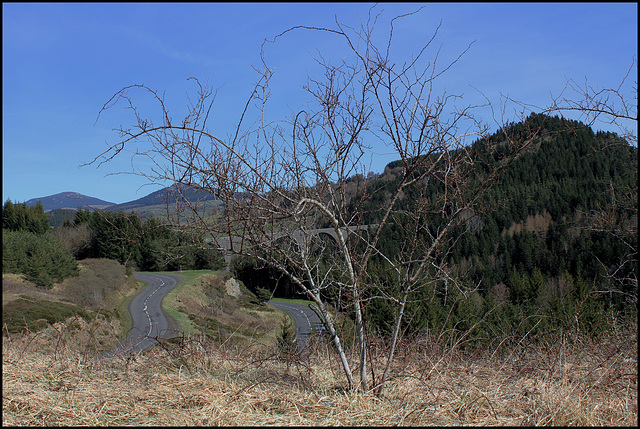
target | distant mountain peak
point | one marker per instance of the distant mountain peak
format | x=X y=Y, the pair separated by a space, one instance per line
x=69 y=200
x=166 y=195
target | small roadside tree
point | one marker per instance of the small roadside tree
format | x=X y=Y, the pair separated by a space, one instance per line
x=286 y=341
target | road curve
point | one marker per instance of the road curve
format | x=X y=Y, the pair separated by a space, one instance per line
x=307 y=321
x=148 y=320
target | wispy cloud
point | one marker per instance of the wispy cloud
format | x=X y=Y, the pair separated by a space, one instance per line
x=155 y=44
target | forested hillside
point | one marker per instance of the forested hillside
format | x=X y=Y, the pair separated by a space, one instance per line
x=547 y=210
x=555 y=237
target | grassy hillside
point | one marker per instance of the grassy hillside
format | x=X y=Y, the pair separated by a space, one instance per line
x=205 y=301
x=162 y=203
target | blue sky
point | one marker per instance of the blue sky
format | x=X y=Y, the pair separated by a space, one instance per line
x=62 y=62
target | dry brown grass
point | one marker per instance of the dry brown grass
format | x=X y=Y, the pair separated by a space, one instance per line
x=195 y=382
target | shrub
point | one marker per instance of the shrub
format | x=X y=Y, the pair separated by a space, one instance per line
x=286 y=341
x=76 y=239
x=263 y=295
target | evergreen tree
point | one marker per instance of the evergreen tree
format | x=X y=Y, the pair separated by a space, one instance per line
x=38 y=221
x=286 y=341
x=9 y=216
x=82 y=216
x=19 y=217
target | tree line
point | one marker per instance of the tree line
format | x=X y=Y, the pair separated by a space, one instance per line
x=144 y=245
x=29 y=248
x=45 y=255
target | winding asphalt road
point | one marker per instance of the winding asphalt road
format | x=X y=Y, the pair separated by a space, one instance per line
x=306 y=320
x=149 y=322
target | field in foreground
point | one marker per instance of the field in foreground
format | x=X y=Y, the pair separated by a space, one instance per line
x=46 y=381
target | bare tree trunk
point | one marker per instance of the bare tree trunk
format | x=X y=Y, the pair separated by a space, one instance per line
x=362 y=344
x=336 y=341
x=394 y=340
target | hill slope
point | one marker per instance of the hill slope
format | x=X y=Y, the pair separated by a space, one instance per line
x=164 y=196
x=63 y=205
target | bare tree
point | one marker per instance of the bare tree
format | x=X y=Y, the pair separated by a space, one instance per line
x=279 y=183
